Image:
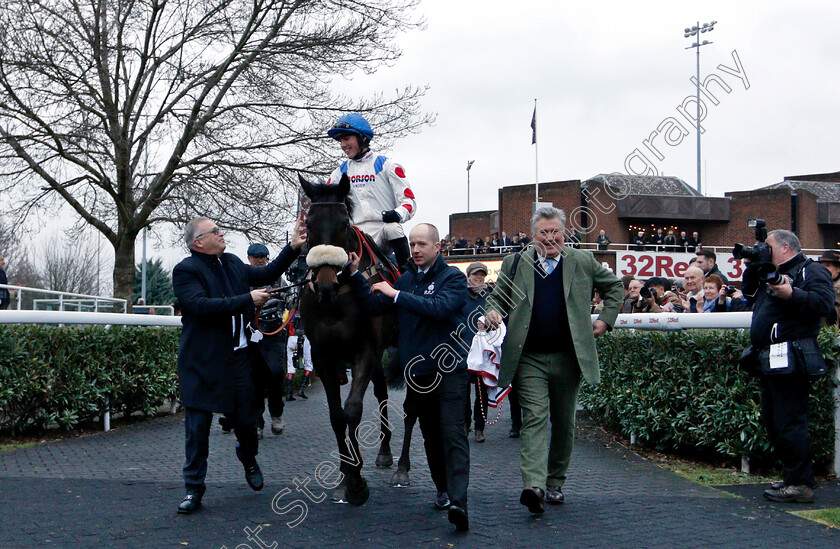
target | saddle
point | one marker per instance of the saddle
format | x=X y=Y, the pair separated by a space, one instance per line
x=380 y=265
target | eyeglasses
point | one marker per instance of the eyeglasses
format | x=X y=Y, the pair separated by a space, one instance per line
x=215 y=230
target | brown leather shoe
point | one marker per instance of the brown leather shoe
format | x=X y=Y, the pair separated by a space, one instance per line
x=554 y=495
x=533 y=498
x=791 y=494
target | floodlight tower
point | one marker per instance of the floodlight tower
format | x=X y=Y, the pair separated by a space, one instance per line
x=696 y=30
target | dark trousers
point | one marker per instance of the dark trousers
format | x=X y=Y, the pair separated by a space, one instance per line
x=480 y=402
x=441 y=415
x=197 y=426
x=515 y=410
x=784 y=410
x=270 y=374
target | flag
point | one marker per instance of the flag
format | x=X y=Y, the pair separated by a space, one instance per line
x=534 y=126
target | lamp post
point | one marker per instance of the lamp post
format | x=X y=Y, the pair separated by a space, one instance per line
x=469 y=165
x=696 y=30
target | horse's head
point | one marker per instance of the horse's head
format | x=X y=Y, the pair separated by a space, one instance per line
x=327 y=230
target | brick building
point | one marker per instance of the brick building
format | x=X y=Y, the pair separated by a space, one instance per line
x=808 y=205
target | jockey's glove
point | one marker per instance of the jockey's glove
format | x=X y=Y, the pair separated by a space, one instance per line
x=391 y=216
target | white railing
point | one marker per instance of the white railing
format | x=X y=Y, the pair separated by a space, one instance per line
x=64 y=298
x=681 y=321
x=79 y=317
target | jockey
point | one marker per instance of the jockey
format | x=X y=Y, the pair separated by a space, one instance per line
x=380 y=192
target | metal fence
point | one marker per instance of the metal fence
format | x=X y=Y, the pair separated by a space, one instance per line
x=65 y=300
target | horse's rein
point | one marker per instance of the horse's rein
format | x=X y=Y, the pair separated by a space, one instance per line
x=286 y=323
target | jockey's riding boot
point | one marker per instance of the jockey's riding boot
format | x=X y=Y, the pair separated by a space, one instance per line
x=401 y=250
x=301 y=393
x=290 y=389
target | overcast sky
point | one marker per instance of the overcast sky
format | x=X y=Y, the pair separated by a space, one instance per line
x=606 y=75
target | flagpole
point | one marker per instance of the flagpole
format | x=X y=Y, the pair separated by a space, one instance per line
x=536 y=158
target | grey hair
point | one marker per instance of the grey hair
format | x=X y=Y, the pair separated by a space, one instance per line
x=191 y=231
x=547 y=212
x=786 y=237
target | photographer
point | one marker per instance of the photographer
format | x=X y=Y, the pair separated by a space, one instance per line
x=790 y=295
x=633 y=302
x=659 y=300
x=721 y=298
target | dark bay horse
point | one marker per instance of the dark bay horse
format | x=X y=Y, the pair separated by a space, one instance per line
x=341 y=333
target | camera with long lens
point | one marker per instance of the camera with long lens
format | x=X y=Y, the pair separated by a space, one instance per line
x=648 y=292
x=759 y=255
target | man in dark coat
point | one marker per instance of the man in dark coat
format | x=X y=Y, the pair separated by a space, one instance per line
x=790 y=311
x=4 y=293
x=429 y=299
x=214 y=358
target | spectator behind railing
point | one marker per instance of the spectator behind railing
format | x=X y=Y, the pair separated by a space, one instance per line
x=717 y=297
x=658 y=241
x=670 y=242
x=602 y=240
x=682 y=243
x=693 y=243
x=693 y=281
x=5 y=298
x=633 y=303
x=640 y=241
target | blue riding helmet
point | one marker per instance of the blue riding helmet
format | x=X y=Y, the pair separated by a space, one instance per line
x=352 y=123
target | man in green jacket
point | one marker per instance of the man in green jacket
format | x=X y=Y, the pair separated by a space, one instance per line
x=550 y=343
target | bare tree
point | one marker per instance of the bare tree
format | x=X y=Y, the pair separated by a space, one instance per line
x=135 y=112
x=71 y=267
x=8 y=238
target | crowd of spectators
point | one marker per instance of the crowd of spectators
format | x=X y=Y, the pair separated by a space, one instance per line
x=696 y=292
x=662 y=242
x=658 y=241
x=490 y=244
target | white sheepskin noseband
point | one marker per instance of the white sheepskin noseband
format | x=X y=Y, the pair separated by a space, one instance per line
x=325 y=254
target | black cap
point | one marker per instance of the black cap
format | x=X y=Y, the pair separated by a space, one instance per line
x=257 y=250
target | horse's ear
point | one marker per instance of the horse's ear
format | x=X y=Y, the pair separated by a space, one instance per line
x=307 y=187
x=344 y=186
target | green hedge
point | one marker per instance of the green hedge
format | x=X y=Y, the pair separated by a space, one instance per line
x=62 y=374
x=683 y=391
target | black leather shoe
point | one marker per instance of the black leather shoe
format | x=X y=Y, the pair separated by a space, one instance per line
x=458 y=516
x=554 y=495
x=442 y=502
x=254 y=477
x=190 y=503
x=514 y=433
x=533 y=499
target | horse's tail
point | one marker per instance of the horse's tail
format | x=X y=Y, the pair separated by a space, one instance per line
x=393 y=372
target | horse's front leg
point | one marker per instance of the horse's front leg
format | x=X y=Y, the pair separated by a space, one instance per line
x=330 y=381
x=380 y=389
x=357 y=488
x=400 y=476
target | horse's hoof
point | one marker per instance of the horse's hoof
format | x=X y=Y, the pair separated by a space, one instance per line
x=384 y=460
x=339 y=494
x=358 y=496
x=400 y=479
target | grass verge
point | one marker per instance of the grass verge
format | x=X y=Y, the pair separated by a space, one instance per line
x=829 y=517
